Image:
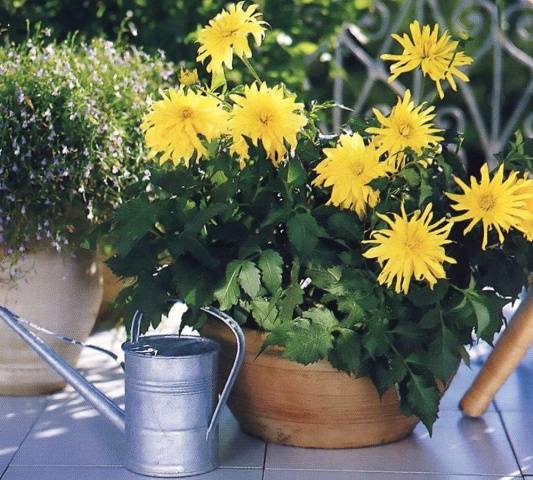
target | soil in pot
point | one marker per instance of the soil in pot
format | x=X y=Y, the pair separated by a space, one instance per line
x=306 y=406
x=60 y=292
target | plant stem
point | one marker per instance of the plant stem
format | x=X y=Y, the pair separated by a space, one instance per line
x=251 y=69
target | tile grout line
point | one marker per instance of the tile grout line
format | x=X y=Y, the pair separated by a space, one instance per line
x=45 y=404
x=500 y=416
x=264 y=462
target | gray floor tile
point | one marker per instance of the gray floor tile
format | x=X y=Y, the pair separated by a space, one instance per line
x=17 y=415
x=111 y=473
x=516 y=394
x=459 y=446
x=520 y=428
x=70 y=432
x=69 y=422
x=460 y=384
x=238 y=449
x=337 y=475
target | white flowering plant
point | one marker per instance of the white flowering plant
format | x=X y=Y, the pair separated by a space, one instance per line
x=371 y=249
x=70 y=141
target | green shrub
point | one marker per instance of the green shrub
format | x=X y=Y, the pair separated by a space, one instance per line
x=70 y=141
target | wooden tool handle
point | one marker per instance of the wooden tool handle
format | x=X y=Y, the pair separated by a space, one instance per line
x=506 y=356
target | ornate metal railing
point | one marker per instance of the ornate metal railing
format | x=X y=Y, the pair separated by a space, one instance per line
x=496 y=34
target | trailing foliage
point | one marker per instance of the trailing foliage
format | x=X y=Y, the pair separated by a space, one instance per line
x=70 y=140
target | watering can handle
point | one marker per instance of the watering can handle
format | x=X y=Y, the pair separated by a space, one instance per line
x=239 y=358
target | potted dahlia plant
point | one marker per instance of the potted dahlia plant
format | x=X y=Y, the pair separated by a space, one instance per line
x=359 y=264
x=70 y=144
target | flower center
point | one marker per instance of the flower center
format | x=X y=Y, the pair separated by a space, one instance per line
x=186 y=113
x=230 y=33
x=412 y=243
x=487 y=202
x=358 y=168
x=265 y=118
x=405 y=130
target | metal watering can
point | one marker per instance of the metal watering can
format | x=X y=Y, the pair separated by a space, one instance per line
x=170 y=421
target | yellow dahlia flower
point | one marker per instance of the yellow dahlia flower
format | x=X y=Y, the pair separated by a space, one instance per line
x=410 y=248
x=496 y=203
x=265 y=114
x=227 y=34
x=177 y=125
x=348 y=168
x=525 y=225
x=407 y=126
x=188 y=77
x=438 y=58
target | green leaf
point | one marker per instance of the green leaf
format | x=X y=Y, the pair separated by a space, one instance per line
x=134 y=219
x=271 y=265
x=326 y=279
x=482 y=315
x=423 y=296
x=355 y=313
x=196 y=222
x=345 y=225
x=426 y=190
x=249 y=278
x=303 y=231
x=346 y=353
x=218 y=79
x=265 y=313
x=431 y=318
x=322 y=316
x=308 y=343
x=442 y=357
x=228 y=294
x=292 y=297
x=423 y=397
x=296 y=174
x=411 y=176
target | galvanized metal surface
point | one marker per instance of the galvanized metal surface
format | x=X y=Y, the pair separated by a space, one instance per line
x=172 y=413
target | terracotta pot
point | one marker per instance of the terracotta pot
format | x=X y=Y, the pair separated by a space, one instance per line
x=307 y=406
x=61 y=292
x=112 y=285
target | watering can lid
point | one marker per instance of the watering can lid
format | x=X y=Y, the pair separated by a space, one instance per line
x=171 y=346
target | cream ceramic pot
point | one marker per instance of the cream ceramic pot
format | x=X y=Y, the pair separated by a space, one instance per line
x=60 y=292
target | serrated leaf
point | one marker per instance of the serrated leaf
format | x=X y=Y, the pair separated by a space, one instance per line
x=134 y=219
x=303 y=232
x=327 y=279
x=354 y=311
x=296 y=174
x=218 y=79
x=322 y=316
x=203 y=216
x=423 y=398
x=411 y=176
x=292 y=297
x=431 y=318
x=346 y=353
x=308 y=343
x=265 y=313
x=278 y=336
x=228 y=294
x=271 y=265
x=423 y=296
x=482 y=315
x=249 y=278
x=388 y=375
x=345 y=225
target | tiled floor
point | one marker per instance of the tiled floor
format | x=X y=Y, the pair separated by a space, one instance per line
x=62 y=438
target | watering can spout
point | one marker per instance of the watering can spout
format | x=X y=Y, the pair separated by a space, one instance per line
x=89 y=392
